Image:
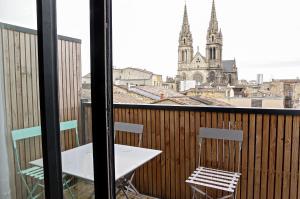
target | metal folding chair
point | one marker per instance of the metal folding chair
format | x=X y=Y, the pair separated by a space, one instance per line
x=125 y=184
x=34 y=172
x=214 y=178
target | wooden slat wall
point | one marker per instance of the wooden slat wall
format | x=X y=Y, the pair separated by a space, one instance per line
x=270 y=153
x=20 y=62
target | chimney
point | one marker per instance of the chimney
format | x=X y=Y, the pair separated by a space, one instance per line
x=128 y=86
x=162 y=96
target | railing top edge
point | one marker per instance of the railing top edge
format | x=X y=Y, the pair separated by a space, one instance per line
x=206 y=108
x=32 y=31
x=213 y=109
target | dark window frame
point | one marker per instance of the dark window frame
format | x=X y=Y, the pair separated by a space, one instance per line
x=101 y=87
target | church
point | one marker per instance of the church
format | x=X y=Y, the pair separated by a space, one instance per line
x=210 y=69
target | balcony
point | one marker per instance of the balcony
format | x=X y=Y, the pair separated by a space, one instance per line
x=270 y=151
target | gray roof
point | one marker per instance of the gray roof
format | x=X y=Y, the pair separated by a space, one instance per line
x=228 y=66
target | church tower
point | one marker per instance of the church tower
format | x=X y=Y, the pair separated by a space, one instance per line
x=214 y=41
x=185 y=48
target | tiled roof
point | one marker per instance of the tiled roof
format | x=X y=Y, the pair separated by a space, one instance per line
x=180 y=101
x=210 y=101
x=158 y=90
x=126 y=99
x=228 y=65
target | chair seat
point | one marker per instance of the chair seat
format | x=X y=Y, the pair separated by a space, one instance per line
x=213 y=178
x=34 y=172
x=37 y=173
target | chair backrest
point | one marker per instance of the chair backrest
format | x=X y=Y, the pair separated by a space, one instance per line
x=26 y=133
x=220 y=134
x=129 y=128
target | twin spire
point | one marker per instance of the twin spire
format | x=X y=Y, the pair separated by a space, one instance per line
x=213 y=24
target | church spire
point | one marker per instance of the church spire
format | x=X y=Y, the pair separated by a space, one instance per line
x=213 y=24
x=185 y=37
x=185 y=47
x=185 y=29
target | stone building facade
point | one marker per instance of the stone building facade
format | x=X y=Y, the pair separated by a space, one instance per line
x=204 y=69
x=136 y=76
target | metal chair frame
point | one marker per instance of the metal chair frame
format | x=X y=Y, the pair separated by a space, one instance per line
x=200 y=178
x=35 y=172
x=125 y=184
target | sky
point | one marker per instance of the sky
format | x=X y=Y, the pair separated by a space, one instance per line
x=262 y=35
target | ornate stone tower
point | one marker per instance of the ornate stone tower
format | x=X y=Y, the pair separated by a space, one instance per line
x=185 y=48
x=214 y=41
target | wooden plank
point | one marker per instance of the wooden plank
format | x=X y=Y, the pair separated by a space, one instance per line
x=26 y=146
x=78 y=74
x=251 y=156
x=18 y=79
x=258 y=146
x=226 y=143
x=238 y=117
x=71 y=88
x=64 y=90
x=208 y=141
x=279 y=157
x=37 y=80
x=244 y=177
x=220 y=149
x=155 y=145
x=149 y=137
x=265 y=153
x=34 y=142
x=127 y=119
x=60 y=91
x=35 y=92
x=157 y=162
x=173 y=147
x=192 y=143
x=25 y=111
x=203 y=147
x=232 y=144
x=214 y=143
x=177 y=154
x=295 y=158
x=214 y=148
x=287 y=156
x=162 y=158
x=181 y=151
x=145 y=144
x=68 y=91
x=272 y=156
x=139 y=120
x=168 y=154
x=187 y=158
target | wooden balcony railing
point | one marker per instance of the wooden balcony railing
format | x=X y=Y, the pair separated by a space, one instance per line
x=270 y=151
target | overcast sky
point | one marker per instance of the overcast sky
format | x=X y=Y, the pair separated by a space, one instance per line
x=262 y=35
